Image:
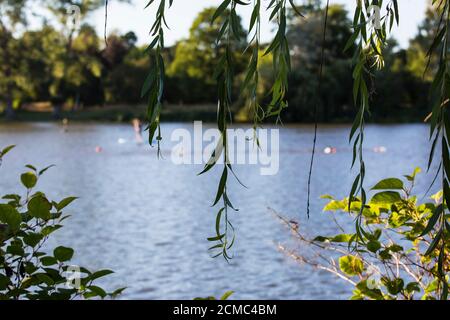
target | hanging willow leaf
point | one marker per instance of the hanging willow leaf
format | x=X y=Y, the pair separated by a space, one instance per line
x=433 y=220
x=368 y=43
x=439 y=131
x=224 y=76
x=279 y=48
x=223 y=181
x=154 y=83
x=434 y=243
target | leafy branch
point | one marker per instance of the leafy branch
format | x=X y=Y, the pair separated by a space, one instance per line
x=279 y=48
x=154 y=83
x=440 y=132
x=370 y=40
x=225 y=235
x=319 y=89
x=251 y=80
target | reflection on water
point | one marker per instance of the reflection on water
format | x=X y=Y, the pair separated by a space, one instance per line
x=148 y=219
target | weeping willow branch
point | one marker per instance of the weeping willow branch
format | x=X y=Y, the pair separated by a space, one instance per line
x=368 y=41
x=370 y=36
x=319 y=89
x=281 y=59
x=154 y=83
x=225 y=235
x=106 y=23
x=440 y=132
x=251 y=80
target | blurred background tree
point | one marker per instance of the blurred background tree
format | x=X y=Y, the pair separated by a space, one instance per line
x=305 y=36
x=195 y=60
x=66 y=64
x=12 y=15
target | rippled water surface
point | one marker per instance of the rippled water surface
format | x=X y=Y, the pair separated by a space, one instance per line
x=148 y=219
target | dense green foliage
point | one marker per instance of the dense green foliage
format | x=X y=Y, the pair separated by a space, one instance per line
x=93 y=74
x=440 y=136
x=393 y=261
x=27 y=271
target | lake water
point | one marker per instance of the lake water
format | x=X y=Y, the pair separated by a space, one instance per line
x=148 y=219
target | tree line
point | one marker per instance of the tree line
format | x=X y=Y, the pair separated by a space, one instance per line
x=76 y=69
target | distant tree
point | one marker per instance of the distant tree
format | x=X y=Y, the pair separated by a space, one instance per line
x=420 y=44
x=12 y=14
x=305 y=34
x=125 y=69
x=38 y=51
x=117 y=49
x=196 y=58
x=80 y=61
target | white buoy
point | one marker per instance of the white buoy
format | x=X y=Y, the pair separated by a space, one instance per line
x=329 y=150
x=380 y=149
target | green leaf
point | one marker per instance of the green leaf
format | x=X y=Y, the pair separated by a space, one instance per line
x=29 y=179
x=226 y=295
x=63 y=253
x=48 y=261
x=100 y=274
x=220 y=9
x=65 y=202
x=374 y=294
x=217 y=238
x=6 y=150
x=39 y=207
x=433 y=220
x=151 y=78
x=351 y=265
x=47 y=230
x=117 y=292
x=342 y=238
x=389 y=184
x=10 y=216
x=395 y=248
x=385 y=255
x=334 y=205
x=4 y=282
x=373 y=246
x=386 y=198
x=222 y=185
x=413 y=286
x=32 y=239
x=15 y=249
x=41 y=172
x=98 y=291
x=434 y=243
x=394 y=286
x=294 y=7
x=42 y=277
x=29 y=166
x=321 y=239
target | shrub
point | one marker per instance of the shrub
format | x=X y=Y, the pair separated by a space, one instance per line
x=26 y=271
x=396 y=257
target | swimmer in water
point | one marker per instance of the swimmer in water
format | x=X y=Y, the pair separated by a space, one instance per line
x=137 y=124
x=65 y=125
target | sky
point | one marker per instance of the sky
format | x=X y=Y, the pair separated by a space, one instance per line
x=124 y=18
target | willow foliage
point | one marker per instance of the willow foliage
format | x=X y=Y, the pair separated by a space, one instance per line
x=369 y=39
x=440 y=133
x=154 y=84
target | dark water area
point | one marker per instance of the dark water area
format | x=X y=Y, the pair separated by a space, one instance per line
x=148 y=219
